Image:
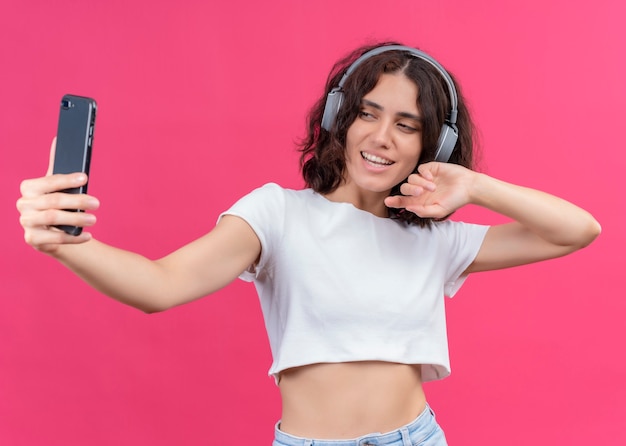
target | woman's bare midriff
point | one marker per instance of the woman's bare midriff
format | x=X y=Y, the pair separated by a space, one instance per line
x=347 y=400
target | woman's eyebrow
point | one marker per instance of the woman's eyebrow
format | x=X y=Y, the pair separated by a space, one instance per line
x=381 y=108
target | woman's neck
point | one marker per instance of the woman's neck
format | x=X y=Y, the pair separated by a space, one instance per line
x=369 y=201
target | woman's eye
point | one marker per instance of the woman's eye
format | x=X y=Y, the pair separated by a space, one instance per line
x=408 y=128
x=366 y=115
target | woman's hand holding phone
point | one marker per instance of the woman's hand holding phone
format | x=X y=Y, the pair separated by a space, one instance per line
x=42 y=206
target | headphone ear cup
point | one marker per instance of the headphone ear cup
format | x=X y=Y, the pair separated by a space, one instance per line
x=447 y=140
x=331 y=109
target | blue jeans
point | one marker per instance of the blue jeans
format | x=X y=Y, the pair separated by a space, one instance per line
x=423 y=431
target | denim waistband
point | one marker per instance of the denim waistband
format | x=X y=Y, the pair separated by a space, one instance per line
x=423 y=427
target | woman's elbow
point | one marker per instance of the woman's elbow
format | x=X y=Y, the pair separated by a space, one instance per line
x=588 y=233
x=151 y=306
x=151 y=310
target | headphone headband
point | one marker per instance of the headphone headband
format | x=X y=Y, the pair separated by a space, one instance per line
x=415 y=53
x=449 y=132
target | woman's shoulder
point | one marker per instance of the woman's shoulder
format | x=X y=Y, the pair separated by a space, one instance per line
x=276 y=190
x=273 y=195
x=457 y=232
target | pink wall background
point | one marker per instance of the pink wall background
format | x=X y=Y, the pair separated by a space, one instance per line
x=199 y=103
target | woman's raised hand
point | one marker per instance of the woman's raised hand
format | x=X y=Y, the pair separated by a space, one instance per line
x=41 y=207
x=436 y=191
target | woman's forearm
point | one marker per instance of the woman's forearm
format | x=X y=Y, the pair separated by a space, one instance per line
x=125 y=276
x=553 y=219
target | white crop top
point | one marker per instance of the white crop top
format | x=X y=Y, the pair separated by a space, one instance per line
x=338 y=284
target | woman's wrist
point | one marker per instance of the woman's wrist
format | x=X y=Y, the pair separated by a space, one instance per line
x=478 y=188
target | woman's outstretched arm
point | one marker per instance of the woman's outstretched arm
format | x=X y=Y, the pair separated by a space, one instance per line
x=195 y=270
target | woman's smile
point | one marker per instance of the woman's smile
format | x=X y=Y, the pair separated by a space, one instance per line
x=376 y=161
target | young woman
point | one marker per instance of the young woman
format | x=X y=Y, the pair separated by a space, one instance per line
x=352 y=271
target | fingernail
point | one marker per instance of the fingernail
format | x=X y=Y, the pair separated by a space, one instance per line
x=80 y=178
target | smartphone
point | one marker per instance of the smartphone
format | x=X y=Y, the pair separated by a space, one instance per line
x=77 y=120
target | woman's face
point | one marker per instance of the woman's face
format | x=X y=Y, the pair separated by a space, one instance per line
x=384 y=142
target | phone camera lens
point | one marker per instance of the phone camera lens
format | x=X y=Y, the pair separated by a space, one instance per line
x=66 y=104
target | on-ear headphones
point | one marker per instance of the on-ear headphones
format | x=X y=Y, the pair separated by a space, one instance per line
x=449 y=131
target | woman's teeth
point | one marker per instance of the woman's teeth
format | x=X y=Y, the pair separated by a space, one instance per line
x=375 y=159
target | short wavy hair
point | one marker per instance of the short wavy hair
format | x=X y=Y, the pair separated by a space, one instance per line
x=322 y=159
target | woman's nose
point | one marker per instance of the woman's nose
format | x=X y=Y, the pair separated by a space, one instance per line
x=382 y=134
